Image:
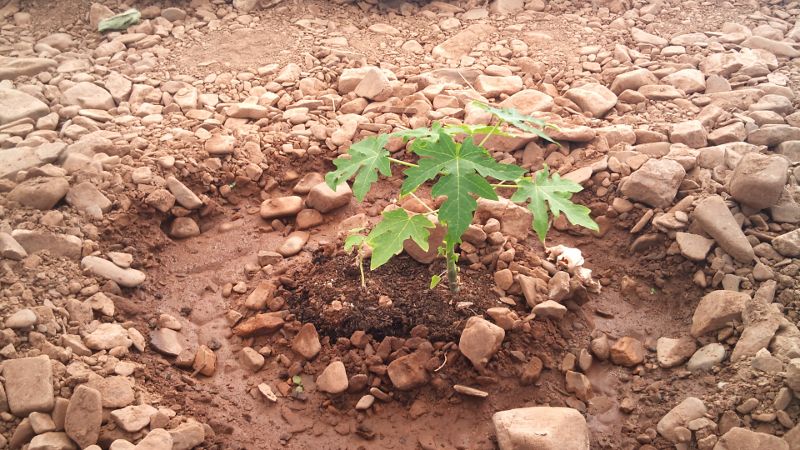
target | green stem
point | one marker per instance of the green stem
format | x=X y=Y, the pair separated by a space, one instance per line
x=452 y=268
x=361 y=268
x=401 y=162
x=488 y=135
x=423 y=203
x=501 y=185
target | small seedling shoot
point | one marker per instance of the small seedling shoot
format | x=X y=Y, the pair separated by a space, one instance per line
x=453 y=158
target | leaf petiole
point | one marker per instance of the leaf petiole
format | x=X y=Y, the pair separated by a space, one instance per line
x=401 y=162
x=491 y=132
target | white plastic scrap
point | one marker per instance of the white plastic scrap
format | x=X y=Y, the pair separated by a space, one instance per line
x=573 y=260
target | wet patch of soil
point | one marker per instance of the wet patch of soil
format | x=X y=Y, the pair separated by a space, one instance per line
x=402 y=280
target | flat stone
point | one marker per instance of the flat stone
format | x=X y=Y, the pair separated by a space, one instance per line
x=188 y=435
x=689 y=409
x=408 y=372
x=133 y=418
x=15 y=105
x=293 y=243
x=89 y=96
x=693 y=246
x=107 y=336
x=706 y=357
x=716 y=309
x=528 y=101
x=742 y=439
x=54 y=440
x=333 y=379
x=324 y=199
x=84 y=416
x=220 y=145
x=23 y=318
x=687 y=80
x=632 y=80
x=281 y=207
x=259 y=324
x=674 y=352
x=166 y=341
x=480 y=340
x=107 y=269
x=29 y=385
x=85 y=197
x=158 y=439
x=58 y=245
x=594 y=99
x=12 y=68
x=41 y=193
x=758 y=180
x=788 y=244
x=550 y=309
x=10 y=248
x=541 y=428
x=183 y=195
x=656 y=182
x=462 y=43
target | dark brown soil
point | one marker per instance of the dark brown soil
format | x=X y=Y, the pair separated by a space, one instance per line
x=404 y=281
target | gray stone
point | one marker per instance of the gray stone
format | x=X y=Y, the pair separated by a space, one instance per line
x=693 y=246
x=85 y=197
x=183 y=195
x=166 y=341
x=133 y=418
x=674 y=352
x=29 y=385
x=107 y=336
x=14 y=160
x=706 y=357
x=15 y=105
x=24 y=318
x=541 y=428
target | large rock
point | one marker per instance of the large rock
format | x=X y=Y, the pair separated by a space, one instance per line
x=306 y=342
x=11 y=68
x=333 y=379
x=462 y=43
x=691 y=133
x=716 y=309
x=655 y=183
x=57 y=245
x=678 y=417
x=758 y=180
x=491 y=86
x=133 y=418
x=741 y=439
x=480 y=340
x=108 y=336
x=158 y=439
x=408 y=372
x=541 y=428
x=187 y=436
x=126 y=277
x=52 y=440
x=29 y=385
x=281 y=207
x=324 y=199
x=15 y=105
x=14 y=160
x=716 y=219
x=86 y=197
x=687 y=80
x=633 y=80
x=788 y=244
x=594 y=99
x=674 y=352
x=761 y=321
x=693 y=246
x=88 y=95
x=41 y=193
x=528 y=101
x=84 y=416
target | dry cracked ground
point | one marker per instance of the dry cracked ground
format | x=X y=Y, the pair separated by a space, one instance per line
x=171 y=264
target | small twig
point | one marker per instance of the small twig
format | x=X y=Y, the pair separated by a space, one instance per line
x=443 y=364
x=465 y=80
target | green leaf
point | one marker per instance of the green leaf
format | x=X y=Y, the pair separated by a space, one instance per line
x=119 y=22
x=367 y=157
x=354 y=240
x=554 y=193
x=435 y=281
x=297 y=380
x=386 y=239
x=460 y=169
x=519 y=120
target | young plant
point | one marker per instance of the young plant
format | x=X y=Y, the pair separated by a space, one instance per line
x=460 y=171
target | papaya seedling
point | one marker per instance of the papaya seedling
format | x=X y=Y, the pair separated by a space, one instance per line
x=454 y=159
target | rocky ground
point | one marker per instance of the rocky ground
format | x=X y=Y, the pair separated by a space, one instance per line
x=171 y=266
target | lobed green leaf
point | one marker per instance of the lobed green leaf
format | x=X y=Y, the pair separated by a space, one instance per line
x=367 y=158
x=386 y=239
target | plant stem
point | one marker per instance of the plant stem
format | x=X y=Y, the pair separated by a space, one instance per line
x=488 y=135
x=452 y=268
x=501 y=185
x=401 y=162
x=361 y=268
x=423 y=203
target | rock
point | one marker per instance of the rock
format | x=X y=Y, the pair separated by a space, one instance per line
x=160 y=199
x=716 y=309
x=259 y=324
x=333 y=379
x=41 y=193
x=741 y=439
x=461 y=44
x=293 y=244
x=107 y=336
x=772 y=135
x=14 y=160
x=679 y=417
x=687 y=80
x=365 y=402
x=579 y=384
x=16 y=105
x=184 y=227
x=788 y=244
x=166 y=341
x=491 y=86
x=22 y=319
x=674 y=352
x=656 y=182
x=183 y=195
x=435 y=239
x=29 y=385
x=89 y=96
x=324 y=199
x=10 y=248
x=374 y=86
x=758 y=180
x=58 y=245
x=515 y=220
x=281 y=207
x=220 y=145
x=528 y=101
x=84 y=416
x=263 y=293
x=778 y=48
x=306 y=342
x=693 y=246
x=85 y=197
x=706 y=357
x=187 y=435
x=116 y=391
x=158 y=439
x=53 y=440
x=480 y=340
x=716 y=219
x=550 y=309
x=41 y=422
x=627 y=351
x=541 y=428
x=107 y=269
x=793 y=375
x=173 y=14
x=761 y=321
x=251 y=359
x=632 y=80
x=133 y=418
x=205 y=361
x=594 y=99
x=12 y=68
x=691 y=133
x=408 y=372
